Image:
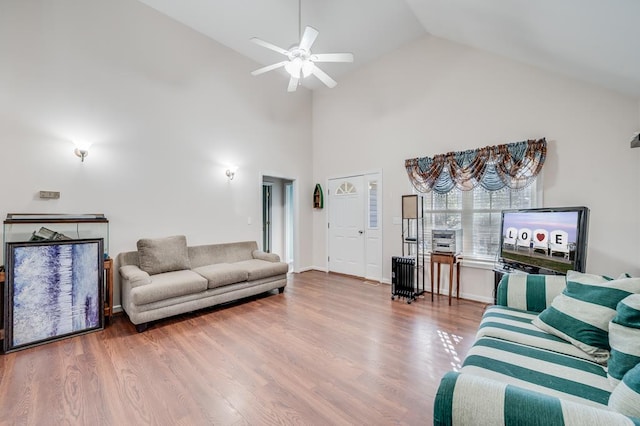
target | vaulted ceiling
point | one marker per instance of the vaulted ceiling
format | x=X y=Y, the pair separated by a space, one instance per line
x=592 y=40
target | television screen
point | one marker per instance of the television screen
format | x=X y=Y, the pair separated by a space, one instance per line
x=547 y=240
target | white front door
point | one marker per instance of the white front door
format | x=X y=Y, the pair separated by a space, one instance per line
x=346 y=226
x=355 y=226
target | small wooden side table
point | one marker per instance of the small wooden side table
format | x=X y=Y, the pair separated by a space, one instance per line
x=452 y=260
x=1 y=305
x=108 y=295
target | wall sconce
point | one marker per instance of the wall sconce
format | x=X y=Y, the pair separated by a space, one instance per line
x=81 y=153
x=82 y=149
x=230 y=173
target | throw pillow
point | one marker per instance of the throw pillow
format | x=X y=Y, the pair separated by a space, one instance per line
x=163 y=254
x=624 y=338
x=581 y=314
x=625 y=398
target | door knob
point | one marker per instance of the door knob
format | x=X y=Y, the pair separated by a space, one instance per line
x=360 y=232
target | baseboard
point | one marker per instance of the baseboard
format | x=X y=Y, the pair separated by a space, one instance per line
x=468 y=296
x=312 y=268
x=477 y=298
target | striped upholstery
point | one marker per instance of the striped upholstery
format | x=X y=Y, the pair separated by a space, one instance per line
x=464 y=399
x=529 y=292
x=581 y=314
x=539 y=370
x=625 y=398
x=624 y=338
x=516 y=326
x=518 y=374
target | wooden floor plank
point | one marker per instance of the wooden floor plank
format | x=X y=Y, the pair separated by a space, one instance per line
x=330 y=350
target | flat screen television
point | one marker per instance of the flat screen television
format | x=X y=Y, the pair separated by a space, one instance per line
x=545 y=240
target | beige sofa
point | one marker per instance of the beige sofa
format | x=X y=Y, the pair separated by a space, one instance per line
x=165 y=277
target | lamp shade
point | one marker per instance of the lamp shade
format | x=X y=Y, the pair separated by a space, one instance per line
x=294 y=67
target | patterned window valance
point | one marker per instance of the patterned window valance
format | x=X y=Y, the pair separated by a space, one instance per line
x=513 y=165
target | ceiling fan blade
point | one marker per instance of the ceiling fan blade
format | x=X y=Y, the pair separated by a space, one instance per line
x=268 y=45
x=332 y=57
x=269 y=68
x=323 y=77
x=293 y=84
x=308 y=37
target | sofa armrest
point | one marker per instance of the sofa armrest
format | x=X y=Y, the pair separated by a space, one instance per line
x=269 y=257
x=135 y=275
x=529 y=292
x=468 y=399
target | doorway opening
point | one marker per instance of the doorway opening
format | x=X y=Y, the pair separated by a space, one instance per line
x=267 y=208
x=278 y=218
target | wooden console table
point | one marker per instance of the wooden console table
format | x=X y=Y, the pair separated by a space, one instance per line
x=108 y=296
x=451 y=260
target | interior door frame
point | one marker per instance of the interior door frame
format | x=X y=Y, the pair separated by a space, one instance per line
x=267 y=230
x=296 y=212
x=380 y=218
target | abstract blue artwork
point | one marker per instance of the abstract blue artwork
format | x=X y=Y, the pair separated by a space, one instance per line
x=55 y=290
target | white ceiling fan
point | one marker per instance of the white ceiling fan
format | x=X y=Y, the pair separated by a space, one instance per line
x=300 y=62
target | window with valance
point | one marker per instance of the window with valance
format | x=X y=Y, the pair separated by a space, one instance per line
x=469 y=189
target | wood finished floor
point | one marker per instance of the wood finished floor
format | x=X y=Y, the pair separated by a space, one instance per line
x=330 y=350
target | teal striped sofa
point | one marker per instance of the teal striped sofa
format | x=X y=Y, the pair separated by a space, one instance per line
x=517 y=374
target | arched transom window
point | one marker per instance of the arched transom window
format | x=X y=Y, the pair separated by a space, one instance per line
x=346 y=188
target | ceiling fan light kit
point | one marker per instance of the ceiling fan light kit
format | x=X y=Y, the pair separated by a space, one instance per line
x=301 y=63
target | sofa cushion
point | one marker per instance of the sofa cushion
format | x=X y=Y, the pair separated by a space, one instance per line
x=624 y=338
x=529 y=292
x=625 y=398
x=257 y=268
x=158 y=255
x=221 y=274
x=516 y=326
x=168 y=285
x=221 y=253
x=581 y=314
x=539 y=370
x=465 y=399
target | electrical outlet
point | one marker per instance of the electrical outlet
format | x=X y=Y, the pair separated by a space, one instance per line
x=50 y=195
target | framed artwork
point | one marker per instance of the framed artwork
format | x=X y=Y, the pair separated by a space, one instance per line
x=53 y=290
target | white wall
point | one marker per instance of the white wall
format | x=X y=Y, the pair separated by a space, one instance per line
x=434 y=96
x=167 y=110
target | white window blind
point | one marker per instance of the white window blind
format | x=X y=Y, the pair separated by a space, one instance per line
x=478 y=214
